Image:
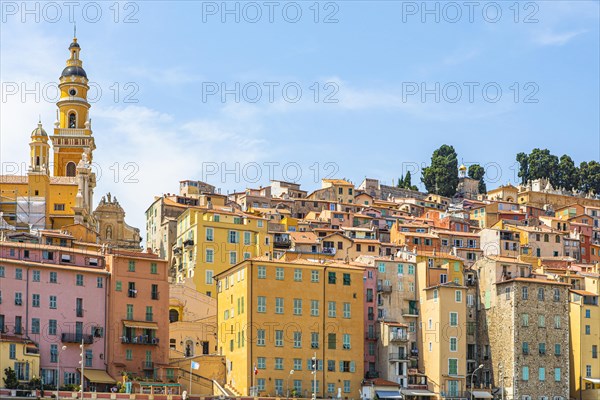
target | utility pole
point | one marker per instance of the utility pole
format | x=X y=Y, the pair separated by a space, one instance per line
x=82 y=362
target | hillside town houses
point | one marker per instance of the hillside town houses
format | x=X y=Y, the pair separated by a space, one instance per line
x=353 y=291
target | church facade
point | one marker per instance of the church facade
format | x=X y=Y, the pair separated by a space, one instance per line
x=57 y=192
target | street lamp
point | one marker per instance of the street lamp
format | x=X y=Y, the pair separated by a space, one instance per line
x=288 y=383
x=473 y=374
x=58 y=369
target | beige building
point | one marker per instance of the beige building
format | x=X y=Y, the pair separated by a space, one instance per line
x=523 y=330
x=113 y=230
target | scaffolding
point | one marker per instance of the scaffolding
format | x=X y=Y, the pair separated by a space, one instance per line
x=31 y=212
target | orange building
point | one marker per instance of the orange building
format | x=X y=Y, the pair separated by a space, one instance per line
x=138 y=317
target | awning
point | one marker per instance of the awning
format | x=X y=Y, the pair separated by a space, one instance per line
x=478 y=394
x=388 y=394
x=140 y=324
x=98 y=376
x=595 y=381
x=417 y=392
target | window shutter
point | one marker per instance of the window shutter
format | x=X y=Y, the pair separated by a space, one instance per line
x=352 y=366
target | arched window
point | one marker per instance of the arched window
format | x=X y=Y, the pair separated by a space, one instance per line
x=173 y=315
x=37 y=161
x=72 y=120
x=71 y=168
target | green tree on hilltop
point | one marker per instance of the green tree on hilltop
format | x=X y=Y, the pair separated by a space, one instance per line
x=441 y=177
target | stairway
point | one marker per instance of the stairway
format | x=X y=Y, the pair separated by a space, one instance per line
x=232 y=391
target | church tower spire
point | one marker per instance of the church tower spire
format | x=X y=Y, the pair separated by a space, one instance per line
x=72 y=133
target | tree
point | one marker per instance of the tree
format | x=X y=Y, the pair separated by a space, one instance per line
x=523 y=161
x=441 y=177
x=589 y=177
x=542 y=164
x=11 y=381
x=406 y=182
x=477 y=172
x=567 y=174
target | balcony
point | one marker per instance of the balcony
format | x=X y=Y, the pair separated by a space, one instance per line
x=455 y=395
x=329 y=250
x=188 y=243
x=147 y=365
x=410 y=312
x=398 y=337
x=77 y=338
x=132 y=293
x=395 y=357
x=414 y=352
x=372 y=374
x=282 y=243
x=143 y=339
x=370 y=336
x=384 y=288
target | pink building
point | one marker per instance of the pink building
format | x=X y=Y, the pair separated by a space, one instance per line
x=370 y=285
x=54 y=294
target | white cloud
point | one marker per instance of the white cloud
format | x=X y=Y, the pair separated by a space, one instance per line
x=549 y=38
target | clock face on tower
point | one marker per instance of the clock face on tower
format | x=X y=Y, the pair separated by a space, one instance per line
x=72 y=92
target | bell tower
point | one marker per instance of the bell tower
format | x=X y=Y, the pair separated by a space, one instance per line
x=72 y=128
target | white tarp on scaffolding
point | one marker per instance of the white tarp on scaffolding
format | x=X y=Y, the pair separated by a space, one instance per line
x=32 y=211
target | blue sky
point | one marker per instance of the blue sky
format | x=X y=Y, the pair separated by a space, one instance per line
x=374 y=58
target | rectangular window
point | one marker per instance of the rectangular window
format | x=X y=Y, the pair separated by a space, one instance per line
x=79 y=280
x=411 y=270
x=297 y=306
x=279 y=274
x=524 y=319
x=453 y=344
x=262 y=272
x=542 y=348
x=347 y=313
x=131 y=266
x=18 y=274
x=346 y=279
x=35 y=325
x=556 y=374
x=261 y=363
x=118 y=286
x=314 y=276
x=260 y=337
x=36 y=276
x=52 y=327
x=210 y=255
x=525 y=373
x=331 y=278
x=314 y=308
x=278 y=305
x=541 y=321
x=346 y=341
x=278 y=363
x=331 y=341
x=129 y=311
x=35 y=300
x=233 y=237
x=452 y=366
x=557 y=349
x=53 y=353
x=129 y=354
x=557 y=322
x=52 y=302
x=458 y=296
x=2 y=272
x=262 y=304
x=346 y=386
x=88 y=358
x=298 y=275
x=53 y=277
x=12 y=351
x=99 y=282
x=542 y=374
x=594 y=351
x=297 y=364
x=453 y=319
x=278 y=338
x=297 y=340
x=233 y=257
x=525 y=348
x=153 y=268
x=541 y=293
x=314 y=340
x=331 y=309
x=18 y=298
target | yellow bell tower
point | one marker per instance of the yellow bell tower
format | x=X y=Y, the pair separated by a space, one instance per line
x=72 y=129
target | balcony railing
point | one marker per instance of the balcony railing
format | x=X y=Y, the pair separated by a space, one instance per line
x=282 y=243
x=398 y=356
x=410 y=312
x=188 y=243
x=384 y=288
x=132 y=293
x=147 y=365
x=77 y=338
x=454 y=395
x=398 y=337
x=329 y=250
x=370 y=336
x=139 y=340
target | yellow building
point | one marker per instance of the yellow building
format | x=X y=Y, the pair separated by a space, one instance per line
x=213 y=237
x=43 y=201
x=584 y=320
x=275 y=316
x=21 y=355
x=442 y=343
